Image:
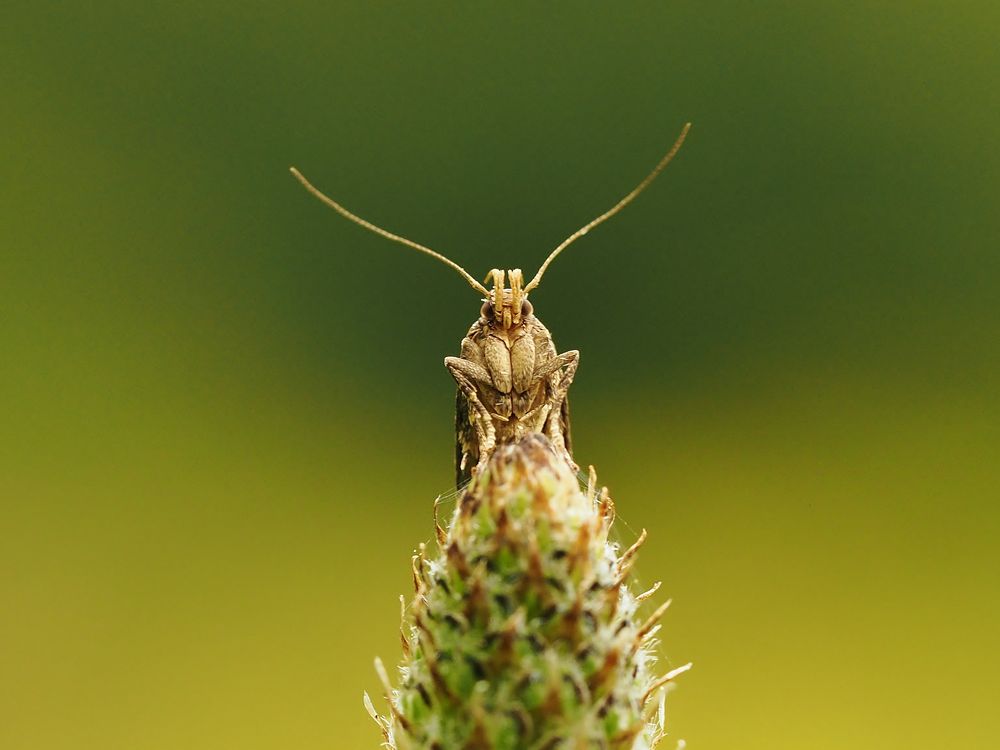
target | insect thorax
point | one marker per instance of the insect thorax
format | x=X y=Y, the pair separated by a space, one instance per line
x=514 y=394
x=511 y=382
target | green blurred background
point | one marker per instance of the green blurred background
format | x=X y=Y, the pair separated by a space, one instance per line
x=225 y=415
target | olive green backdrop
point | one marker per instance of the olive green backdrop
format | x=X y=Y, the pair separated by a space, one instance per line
x=225 y=417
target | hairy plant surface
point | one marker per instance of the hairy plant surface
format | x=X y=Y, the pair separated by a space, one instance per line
x=523 y=632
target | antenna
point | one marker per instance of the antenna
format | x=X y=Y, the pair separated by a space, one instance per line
x=388 y=235
x=612 y=211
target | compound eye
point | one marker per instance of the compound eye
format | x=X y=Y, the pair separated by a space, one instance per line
x=526 y=309
x=487 y=310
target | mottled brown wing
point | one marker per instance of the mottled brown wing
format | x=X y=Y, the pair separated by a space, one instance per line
x=564 y=422
x=466 y=444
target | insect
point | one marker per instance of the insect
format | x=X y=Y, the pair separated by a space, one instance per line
x=511 y=379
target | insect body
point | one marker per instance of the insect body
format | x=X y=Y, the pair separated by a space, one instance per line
x=511 y=380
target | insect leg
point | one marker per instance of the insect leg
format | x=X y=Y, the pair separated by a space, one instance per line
x=463 y=372
x=565 y=364
x=554 y=432
x=560 y=371
x=470 y=370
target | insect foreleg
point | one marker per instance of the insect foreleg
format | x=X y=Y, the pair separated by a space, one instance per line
x=473 y=372
x=565 y=364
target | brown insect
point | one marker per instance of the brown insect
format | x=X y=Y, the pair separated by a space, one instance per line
x=511 y=380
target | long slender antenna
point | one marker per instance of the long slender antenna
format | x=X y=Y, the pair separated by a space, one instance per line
x=612 y=211
x=388 y=235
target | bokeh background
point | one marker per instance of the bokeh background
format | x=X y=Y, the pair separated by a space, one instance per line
x=225 y=416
